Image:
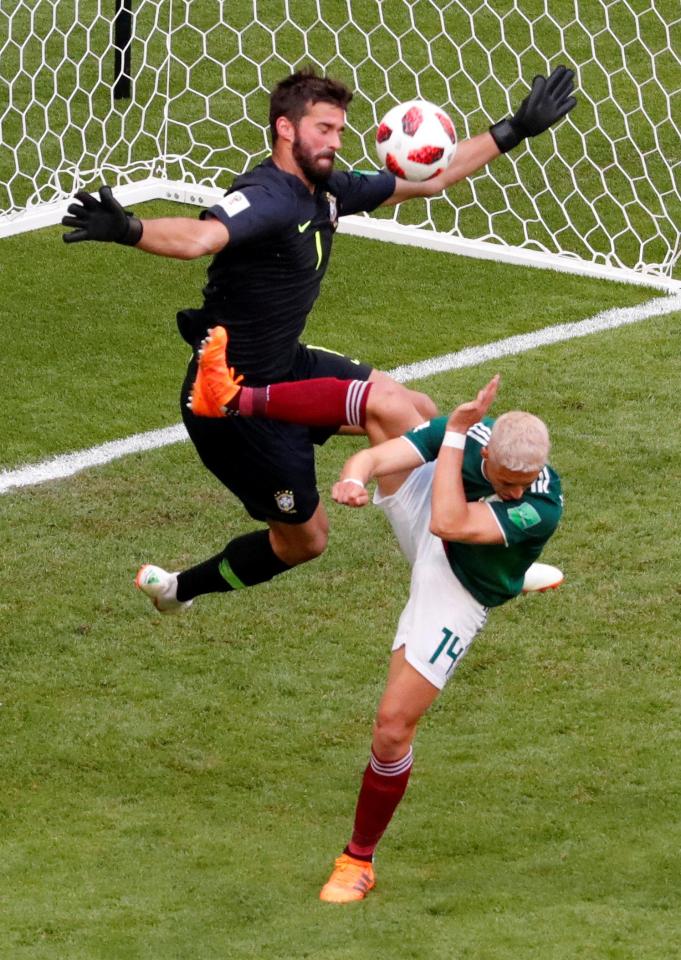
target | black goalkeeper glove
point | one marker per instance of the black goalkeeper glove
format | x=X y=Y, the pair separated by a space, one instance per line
x=103 y=219
x=549 y=99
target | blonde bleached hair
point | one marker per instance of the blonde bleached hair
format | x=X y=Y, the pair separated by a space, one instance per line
x=519 y=442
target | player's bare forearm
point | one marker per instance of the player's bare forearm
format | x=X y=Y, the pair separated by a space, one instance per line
x=452 y=516
x=393 y=456
x=182 y=238
x=449 y=508
x=350 y=488
x=471 y=155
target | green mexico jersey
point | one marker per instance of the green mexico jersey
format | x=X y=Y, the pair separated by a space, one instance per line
x=494 y=573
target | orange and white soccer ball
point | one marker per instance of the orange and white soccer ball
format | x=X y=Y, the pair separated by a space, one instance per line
x=416 y=140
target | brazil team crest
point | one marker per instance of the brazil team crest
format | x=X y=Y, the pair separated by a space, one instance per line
x=285 y=501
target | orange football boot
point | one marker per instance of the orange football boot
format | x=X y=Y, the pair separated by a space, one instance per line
x=216 y=383
x=350 y=880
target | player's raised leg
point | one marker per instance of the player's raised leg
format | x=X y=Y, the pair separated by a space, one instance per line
x=218 y=392
x=380 y=406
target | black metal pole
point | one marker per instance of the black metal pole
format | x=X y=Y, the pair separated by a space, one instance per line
x=122 y=46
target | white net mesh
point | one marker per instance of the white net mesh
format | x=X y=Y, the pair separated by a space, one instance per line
x=604 y=186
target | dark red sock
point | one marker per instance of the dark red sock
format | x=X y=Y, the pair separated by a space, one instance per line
x=383 y=786
x=321 y=402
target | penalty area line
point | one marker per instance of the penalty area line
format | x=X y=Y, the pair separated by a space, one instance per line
x=66 y=465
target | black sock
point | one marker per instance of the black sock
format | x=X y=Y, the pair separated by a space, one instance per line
x=245 y=561
x=355 y=856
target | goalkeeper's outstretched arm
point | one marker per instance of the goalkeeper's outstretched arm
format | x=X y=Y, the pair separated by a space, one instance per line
x=550 y=98
x=105 y=220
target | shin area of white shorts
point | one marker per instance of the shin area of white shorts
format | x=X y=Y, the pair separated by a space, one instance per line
x=437 y=599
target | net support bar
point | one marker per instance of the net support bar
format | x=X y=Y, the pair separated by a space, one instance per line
x=375 y=229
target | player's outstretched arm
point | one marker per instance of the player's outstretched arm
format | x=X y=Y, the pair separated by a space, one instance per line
x=392 y=456
x=549 y=100
x=105 y=221
x=471 y=155
x=102 y=219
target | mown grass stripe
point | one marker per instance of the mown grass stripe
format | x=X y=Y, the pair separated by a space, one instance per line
x=66 y=465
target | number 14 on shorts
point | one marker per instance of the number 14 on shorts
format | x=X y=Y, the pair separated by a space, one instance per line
x=450 y=646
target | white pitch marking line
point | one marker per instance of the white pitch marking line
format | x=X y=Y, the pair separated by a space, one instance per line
x=65 y=465
x=471 y=356
x=68 y=464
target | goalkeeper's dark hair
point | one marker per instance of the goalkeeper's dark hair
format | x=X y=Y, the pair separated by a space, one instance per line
x=291 y=96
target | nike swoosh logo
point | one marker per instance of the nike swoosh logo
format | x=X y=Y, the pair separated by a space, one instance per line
x=302 y=227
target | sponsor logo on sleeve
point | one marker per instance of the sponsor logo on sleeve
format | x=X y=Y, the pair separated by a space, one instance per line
x=523 y=516
x=333 y=209
x=234 y=203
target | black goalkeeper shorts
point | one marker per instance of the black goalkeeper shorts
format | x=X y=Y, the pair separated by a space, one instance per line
x=267 y=464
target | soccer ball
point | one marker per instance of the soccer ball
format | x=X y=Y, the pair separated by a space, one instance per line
x=415 y=140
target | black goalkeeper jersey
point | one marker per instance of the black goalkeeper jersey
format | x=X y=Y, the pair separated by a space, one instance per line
x=264 y=283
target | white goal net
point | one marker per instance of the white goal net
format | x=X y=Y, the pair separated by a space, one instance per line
x=599 y=193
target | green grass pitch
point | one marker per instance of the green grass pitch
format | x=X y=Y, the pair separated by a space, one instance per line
x=178 y=788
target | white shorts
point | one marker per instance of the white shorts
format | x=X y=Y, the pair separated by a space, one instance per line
x=441 y=617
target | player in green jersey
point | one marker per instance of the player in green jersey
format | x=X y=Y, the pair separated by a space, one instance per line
x=472 y=502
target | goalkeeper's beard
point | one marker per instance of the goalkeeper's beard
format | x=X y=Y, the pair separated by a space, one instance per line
x=316 y=167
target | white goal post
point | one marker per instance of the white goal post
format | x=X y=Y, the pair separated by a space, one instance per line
x=169 y=99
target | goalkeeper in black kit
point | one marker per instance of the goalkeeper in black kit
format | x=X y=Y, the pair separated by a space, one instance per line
x=270 y=239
